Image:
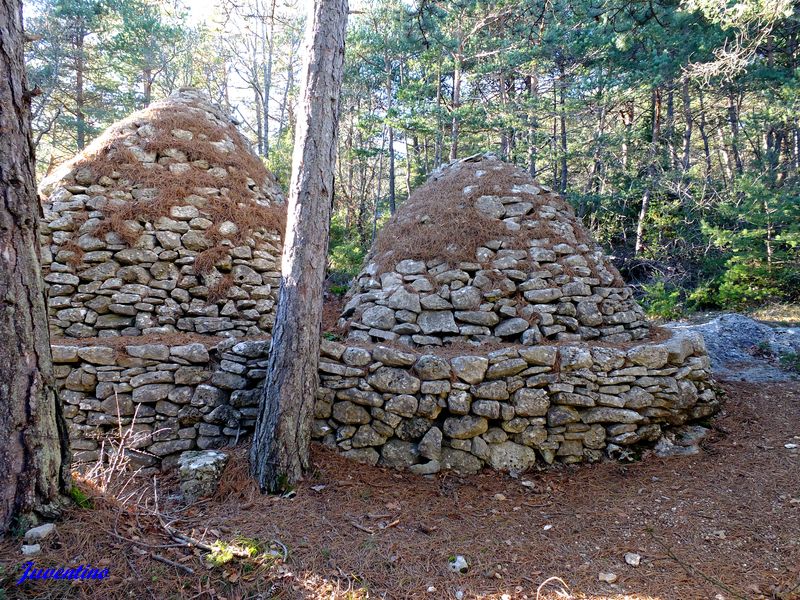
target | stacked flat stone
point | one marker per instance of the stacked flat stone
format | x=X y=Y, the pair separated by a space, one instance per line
x=100 y=286
x=166 y=398
x=509 y=408
x=547 y=290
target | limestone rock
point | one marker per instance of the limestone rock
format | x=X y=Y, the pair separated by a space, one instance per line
x=395 y=381
x=200 y=472
x=430 y=446
x=437 y=322
x=430 y=367
x=470 y=368
x=509 y=456
x=460 y=461
x=397 y=453
x=462 y=428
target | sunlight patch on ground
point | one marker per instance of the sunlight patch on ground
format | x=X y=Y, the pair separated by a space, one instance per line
x=784 y=314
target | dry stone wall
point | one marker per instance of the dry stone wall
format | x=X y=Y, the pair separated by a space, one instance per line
x=159 y=252
x=165 y=399
x=157 y=228
x=510 y=408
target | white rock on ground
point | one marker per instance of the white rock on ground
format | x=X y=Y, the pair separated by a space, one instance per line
x=39 y=533
x=633 y=559
x=200 y=472
x=730 y=341
x=458 y=564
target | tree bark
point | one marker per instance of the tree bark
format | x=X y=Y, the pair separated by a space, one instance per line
x=554 y=139
x=532 y=83
x=670 y=127
x=279 y=454
x=705 y=137
x=651 y=170
x=409 y=168
x=596 y=166
x=147 y=85
x=80 y=65
x=563 y=123
x=268 y=48
x=34 y=455
x=688 y=123
x=733 y=119
x=454 y=130
x=438 y=151
x=627 y=120
x=392 y=174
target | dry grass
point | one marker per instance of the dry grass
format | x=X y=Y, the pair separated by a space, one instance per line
x=723 y=523
x=110 y=156
x=780 y=314
x=76 y=253
x=440 y=221
x=219 y=290
x=207 y=259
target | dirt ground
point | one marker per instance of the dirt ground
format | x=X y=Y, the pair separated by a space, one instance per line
x=723 y=524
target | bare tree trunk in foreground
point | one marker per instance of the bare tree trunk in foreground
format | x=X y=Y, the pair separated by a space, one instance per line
x=279 y=453
x=34 y=457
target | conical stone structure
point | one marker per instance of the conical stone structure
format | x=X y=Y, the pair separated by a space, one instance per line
x=487 y=329
x=167 y=223
x=161 y=254
x=482 y=253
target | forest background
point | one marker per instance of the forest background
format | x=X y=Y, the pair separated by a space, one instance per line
x=673 y=127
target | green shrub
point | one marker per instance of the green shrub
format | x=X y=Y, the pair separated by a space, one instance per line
x=345 y=254
x=791 y=361
x=661 y=302
x=79 y=497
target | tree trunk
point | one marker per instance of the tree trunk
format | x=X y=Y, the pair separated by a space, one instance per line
x=705 y=137
x=733 y=119
x=596 y=166
x=279 y=454
x=147 y=85
x=392 y=175
x=563 y=123
x=376 y=205
x=268 y=47
x=670 y=127
x=259 y=125
x=651 y=170
x=437 y=153
x=725 y=160
x=34 y=455
x=554 y=139
x=80 y=116
x=505 y=140
x=533 y=84
x=285 y=101
x=456 y=104
x=409 y=167
x=627 y=120
x=687 y=128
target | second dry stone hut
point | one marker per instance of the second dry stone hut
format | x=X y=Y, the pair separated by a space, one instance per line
x=487 y=329
x=482 y=253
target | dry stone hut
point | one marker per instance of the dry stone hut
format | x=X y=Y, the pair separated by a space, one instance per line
x=161 y=251
x=168 y=222
x=482 y=253
x=488 y=329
